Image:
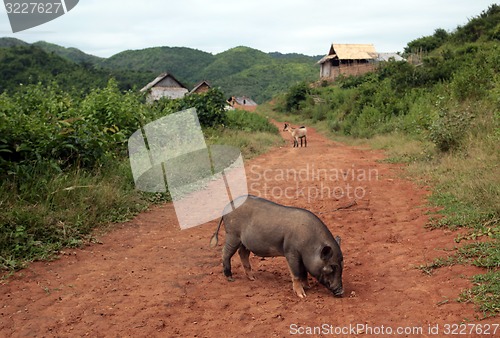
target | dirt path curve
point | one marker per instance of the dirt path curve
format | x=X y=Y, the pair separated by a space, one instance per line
x=148 y=278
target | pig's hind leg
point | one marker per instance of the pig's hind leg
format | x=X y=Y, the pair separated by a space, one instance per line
x=244 y=256
x=230 y=247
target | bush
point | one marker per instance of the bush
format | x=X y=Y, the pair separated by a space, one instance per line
x=209 y=106
x=295 y=96
x=45 y=124
x=319 y=112
x=476 y=77
x=419 y=117
x=448 y=131
x=428 y=43
x=30 y=125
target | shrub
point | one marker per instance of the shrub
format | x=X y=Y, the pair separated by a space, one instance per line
x=209 y=106
x=475 y=78
x=368 y=121
x=449 y=129
x=295 y=96
x=319 y=112
x=29 y=125
x=44 y=124
x=428 y=43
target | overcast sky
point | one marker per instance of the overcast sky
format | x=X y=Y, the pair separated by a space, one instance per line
x=107 y=27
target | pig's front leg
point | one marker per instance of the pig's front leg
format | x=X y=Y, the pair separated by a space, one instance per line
x=298 y=273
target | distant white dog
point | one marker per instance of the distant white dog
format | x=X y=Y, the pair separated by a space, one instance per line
x=297 y=133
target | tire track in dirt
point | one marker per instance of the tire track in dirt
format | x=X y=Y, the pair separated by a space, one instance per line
x=149 y=278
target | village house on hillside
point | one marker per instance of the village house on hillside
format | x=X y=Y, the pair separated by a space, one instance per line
x=165 y=85
x=348 y=59
x=201 y=88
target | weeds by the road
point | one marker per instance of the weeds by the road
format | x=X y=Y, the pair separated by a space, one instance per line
x=46 y=210
x=466 y=192
x=45 y=206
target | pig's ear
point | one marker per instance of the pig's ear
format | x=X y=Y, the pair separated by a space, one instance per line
x=326 y=253
x=338 y=239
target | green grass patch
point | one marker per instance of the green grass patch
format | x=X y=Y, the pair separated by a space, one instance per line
x=251 y=132
x=251 y=144
x=47 y=210
x=485 y=293
x=249 y=122
x=481 y=254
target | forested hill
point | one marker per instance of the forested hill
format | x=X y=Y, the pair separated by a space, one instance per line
x=237 y=71
x=28 y=64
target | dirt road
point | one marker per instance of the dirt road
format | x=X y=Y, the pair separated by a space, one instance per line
x=148 y=278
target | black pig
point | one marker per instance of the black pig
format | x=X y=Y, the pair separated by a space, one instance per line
x=269 y=229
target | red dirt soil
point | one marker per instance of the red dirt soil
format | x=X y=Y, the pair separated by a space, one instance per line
x=149 y=278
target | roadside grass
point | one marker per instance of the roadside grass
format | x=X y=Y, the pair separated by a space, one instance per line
x=44 y=209
x=485 y=293
x=252 y=133
x=466 y=194
x=251 y=144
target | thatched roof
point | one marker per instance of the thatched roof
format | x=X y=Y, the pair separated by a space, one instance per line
x=350 y=52
x=160 y=78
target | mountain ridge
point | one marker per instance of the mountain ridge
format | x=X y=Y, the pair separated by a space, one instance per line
x=237 y=71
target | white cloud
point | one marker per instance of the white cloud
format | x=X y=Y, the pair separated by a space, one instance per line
x=305 y=26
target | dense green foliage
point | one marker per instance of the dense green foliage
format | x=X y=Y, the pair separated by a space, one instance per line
x=44 y=123
x=447 y=110
x=209 y=106
x=30 y=65
x=296 y=95
x=484 y=27
x=63 y=161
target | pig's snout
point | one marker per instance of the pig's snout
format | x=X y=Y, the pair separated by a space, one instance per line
x=335 y=287
x=338 y=292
